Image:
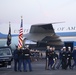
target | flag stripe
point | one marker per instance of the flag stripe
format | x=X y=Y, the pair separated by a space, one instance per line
x=20 y=43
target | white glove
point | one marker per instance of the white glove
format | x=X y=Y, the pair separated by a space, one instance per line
x=54 y=59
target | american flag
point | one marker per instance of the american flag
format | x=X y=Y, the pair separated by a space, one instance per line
x=20 y=42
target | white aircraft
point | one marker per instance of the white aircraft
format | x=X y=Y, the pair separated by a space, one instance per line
x=45 y=33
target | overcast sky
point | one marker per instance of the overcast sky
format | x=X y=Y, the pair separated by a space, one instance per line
x=38 y=11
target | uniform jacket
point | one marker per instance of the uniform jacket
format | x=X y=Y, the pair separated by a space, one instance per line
x=74 y=54
x=26 y=54
x=15 y=54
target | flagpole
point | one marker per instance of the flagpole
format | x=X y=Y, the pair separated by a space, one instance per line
x=22 y=28
x=21 y=17
x=23 y=39
x=9 y=23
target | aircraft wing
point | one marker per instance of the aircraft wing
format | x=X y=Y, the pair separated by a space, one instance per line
x=42 y=28
x=40 y=31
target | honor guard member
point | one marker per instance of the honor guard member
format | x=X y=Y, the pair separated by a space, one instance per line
x=47 y=51
x=69 y=57
x=20 y=55
x=64 y=58
x=27 y=59
x=55 y=57
x=74 y=57
x=50 y=57
x=16 y=58
x=47 y=58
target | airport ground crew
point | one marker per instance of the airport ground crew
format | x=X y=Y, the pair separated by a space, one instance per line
x=69 y=57
x=74 y=57
x=27 y=59
x=16 y=59
x=64 y=58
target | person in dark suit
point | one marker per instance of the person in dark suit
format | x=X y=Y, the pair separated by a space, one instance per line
x=60 y=58
x=16 y=59
x=74 y=57
x=20 y=55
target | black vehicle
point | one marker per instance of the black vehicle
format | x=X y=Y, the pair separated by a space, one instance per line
x=5 y=56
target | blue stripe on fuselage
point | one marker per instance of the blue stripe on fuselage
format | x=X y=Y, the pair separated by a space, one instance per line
x=59 y=33
x=66 y=34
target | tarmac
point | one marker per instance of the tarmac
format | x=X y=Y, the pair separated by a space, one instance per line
x=38 y=69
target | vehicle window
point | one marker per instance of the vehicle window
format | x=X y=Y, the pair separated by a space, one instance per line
x=5 y=51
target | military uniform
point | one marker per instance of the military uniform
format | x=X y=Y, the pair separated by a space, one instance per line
x=69 y=57
x=55 y=57
x=47 y=59
x=27 y=59
x=64 y=60
x=50 y=56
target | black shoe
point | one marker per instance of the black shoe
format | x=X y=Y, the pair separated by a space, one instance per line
x=25 y=70
x=20 y=70
x=71 y=68
x=30 y=70
x=15 y=70
x=53 y=68
x=57 y=67
x=65 y=68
